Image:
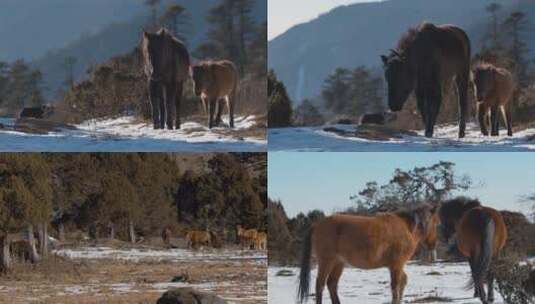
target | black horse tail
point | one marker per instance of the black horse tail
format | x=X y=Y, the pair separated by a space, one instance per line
x=483 y=262
x=304 y=276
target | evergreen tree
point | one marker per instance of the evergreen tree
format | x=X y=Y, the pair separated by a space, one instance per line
x=279 y=104
x=176 y=18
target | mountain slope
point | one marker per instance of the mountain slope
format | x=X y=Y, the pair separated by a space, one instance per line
x=122 y=37
x=30 y=28
x=358 y=34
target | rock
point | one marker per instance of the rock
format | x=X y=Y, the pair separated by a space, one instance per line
x=372 y=132
x=284 y=273
x=188 y=296
x=180 y=278
x=39 y=126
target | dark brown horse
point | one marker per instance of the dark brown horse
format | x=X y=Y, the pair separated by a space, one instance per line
x=494 y=89
x=480 y=233
x=427 y=59
x=166 y=64
x=386 y=240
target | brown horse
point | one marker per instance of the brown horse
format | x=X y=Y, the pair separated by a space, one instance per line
x=214 y=81
x=494 y=89
x=166 y=65
x=428 y=58
x=480 y=233
x=198 y=238
x=260 y=242
x=246 y=237
x=386 y=240
x=166 y=236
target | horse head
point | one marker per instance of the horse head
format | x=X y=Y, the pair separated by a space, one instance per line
x=426 y=220
x=399 y=78
x=152 y=48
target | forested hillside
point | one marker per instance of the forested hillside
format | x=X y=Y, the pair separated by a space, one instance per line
x=103 y=195
x=100 y=74
x=356 y=35
x=29 y=29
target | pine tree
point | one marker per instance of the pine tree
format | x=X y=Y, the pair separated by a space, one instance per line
x=153 y=6
x=176 y=18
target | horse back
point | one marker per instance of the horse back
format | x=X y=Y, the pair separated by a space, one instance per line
x=182 y=60
x=447 y=46
x=472 y=227
x=226 y=76
x=362 y=241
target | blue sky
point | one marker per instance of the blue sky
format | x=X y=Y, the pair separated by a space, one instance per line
x=283 y=14
x=307 y=181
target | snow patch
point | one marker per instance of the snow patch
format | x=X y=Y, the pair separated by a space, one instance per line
x=315 y=139
x=124 y=134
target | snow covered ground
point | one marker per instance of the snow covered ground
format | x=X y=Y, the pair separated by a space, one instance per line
x=445 y=139
x=235 y=275
x=126 y=134
x=172 y=255
x=444 y=280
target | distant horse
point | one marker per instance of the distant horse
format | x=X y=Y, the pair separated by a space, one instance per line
x=166 y=64
x=386 y=240
x=429 y=243
x=481 y=234
x=261 y=241
x=198 y=238
x=166 y=236
x=246 y=237
x=494 y=89
x=214 y=81
x=426 y=60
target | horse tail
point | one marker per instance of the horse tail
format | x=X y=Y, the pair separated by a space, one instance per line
x=483 y=262
x=304 y=275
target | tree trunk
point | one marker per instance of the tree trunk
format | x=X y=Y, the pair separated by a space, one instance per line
x=34 y=256
x=42 y=231
x=112 y=231
x=5 y=255
x=131 y=232
x=61 y=232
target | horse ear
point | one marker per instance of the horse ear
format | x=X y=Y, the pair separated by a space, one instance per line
x=385 y=59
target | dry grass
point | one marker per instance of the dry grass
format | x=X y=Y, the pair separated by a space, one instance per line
x=55 y=280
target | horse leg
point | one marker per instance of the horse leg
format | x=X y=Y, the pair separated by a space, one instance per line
x=332 y=282
x=482 y=115
x=325 y=267
x=462 y=88
x=494 y=121
x=219 y=112
x=403 y=284
x=230 y=106
x=434 y=100
x=507 y=119
x=490 y=286
x=163 y=108
x=154 y=98
x=396 y=281
x=211 y=108
x=420 y=98
x=471 y=263
x=179 y=94
x=170 y=101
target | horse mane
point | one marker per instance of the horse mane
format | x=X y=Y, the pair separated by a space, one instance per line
x=459 y=205
x=408 y=38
